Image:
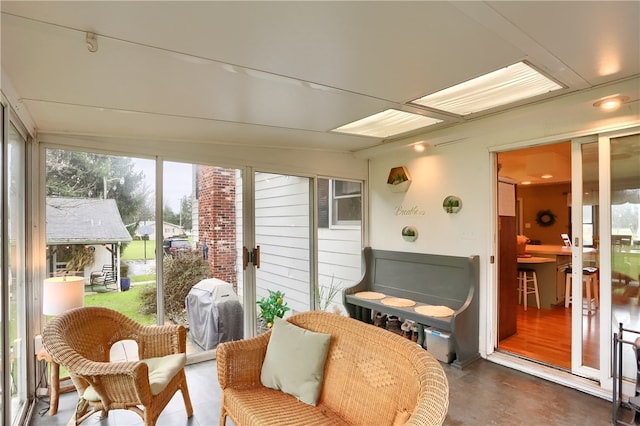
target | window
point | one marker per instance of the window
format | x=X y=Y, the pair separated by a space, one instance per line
x=346 y=203
x=14 y=267
x=587 y=225
x=339 y=203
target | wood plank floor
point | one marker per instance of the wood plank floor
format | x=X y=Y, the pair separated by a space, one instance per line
x=544 y=335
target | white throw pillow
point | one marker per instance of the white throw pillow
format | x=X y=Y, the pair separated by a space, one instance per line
x=295 y=360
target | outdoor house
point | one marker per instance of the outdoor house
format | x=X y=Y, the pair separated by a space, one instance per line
x=149 y=228
x=284 y=244
x=289 y=139
x=77 y=225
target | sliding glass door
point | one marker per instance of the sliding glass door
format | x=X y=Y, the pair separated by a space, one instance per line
x=14 y=270
x=283 y=224
x=606 y=250
x=307 y=241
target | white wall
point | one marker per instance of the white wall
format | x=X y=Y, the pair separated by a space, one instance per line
x=434 y=175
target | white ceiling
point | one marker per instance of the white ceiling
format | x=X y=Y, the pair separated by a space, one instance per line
x=286 y=73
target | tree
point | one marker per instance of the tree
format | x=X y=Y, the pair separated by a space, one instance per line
x=170 y=216
x=186 y=206
x=82 y=175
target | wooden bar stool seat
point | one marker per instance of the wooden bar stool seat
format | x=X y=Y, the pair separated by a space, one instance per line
x=527 y=284
x=590 y=283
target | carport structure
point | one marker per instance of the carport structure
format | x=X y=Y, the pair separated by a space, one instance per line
x=88 y=222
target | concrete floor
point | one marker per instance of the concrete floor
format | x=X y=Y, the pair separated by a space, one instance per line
x=484 y=393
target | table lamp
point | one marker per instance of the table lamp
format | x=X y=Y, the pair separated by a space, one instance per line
x=61 y=294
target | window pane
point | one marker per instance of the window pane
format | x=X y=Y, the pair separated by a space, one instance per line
x=587 y=234
x=348 y=209
x=15 y=247
x=625 y=240
x=342 y=187
x=100 y=215
x=203 y=236
x=323 y=203
x=282 y=223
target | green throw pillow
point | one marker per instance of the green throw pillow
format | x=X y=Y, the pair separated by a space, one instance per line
x=295 y=360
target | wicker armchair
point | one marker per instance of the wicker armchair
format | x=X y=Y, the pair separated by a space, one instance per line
x=80 y=340
x=371 y=377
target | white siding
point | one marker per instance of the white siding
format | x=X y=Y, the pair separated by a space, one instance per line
x=339 y=261
x=282 y=232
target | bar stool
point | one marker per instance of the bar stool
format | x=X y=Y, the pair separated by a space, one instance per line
x=590 y=282
x=527 y=284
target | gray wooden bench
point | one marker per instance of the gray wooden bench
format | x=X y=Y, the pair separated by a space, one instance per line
x=427 y=279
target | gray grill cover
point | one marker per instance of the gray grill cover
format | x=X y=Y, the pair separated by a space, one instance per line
x=214 y=313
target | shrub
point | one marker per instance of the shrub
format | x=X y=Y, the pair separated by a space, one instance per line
x=180 y=273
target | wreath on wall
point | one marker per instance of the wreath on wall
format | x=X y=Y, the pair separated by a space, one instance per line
x=545 y=218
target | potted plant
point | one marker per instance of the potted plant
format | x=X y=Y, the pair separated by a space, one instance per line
x=452 y=204
x=398 y=180
x=125 y=281
x=271 y=307
x=409 y=233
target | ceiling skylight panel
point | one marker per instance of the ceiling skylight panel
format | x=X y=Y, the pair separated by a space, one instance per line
x=387 y=123
x=501 y=87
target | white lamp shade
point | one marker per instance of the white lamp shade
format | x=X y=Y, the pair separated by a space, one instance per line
x=61 y=294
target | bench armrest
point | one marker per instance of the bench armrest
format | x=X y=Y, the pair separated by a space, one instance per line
x=240 y=362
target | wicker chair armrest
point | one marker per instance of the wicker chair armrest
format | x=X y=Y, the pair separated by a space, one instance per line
x=240 y=362
x=160 y=340
x=122 y=381
x=433 y=400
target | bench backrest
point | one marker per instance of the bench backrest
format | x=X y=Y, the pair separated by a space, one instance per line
x=425 y=278
x=108 y=273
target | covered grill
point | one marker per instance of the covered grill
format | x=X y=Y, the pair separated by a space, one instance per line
x=214 y=313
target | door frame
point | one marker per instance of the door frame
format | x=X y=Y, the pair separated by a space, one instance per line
x=250 y=276
x=602 y=382
x=577 y=366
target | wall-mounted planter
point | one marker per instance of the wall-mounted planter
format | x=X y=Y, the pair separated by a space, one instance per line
x=399 y=179
x=452 y=204
x=409 y=233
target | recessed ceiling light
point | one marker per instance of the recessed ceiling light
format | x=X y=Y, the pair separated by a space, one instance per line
x=547 y=176
x=611 y=103
x=387 y=123
x=525 y=182
x=504 y=86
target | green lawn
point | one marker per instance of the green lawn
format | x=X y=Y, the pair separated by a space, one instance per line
x=125 y=302
x=136 y=250
x=142 y=278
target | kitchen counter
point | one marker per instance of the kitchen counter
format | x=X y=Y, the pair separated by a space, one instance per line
x=551 y=275
x=554 y=250
x=546 y=272
x=534 y=260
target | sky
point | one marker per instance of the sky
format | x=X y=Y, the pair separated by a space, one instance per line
x=177 y=180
